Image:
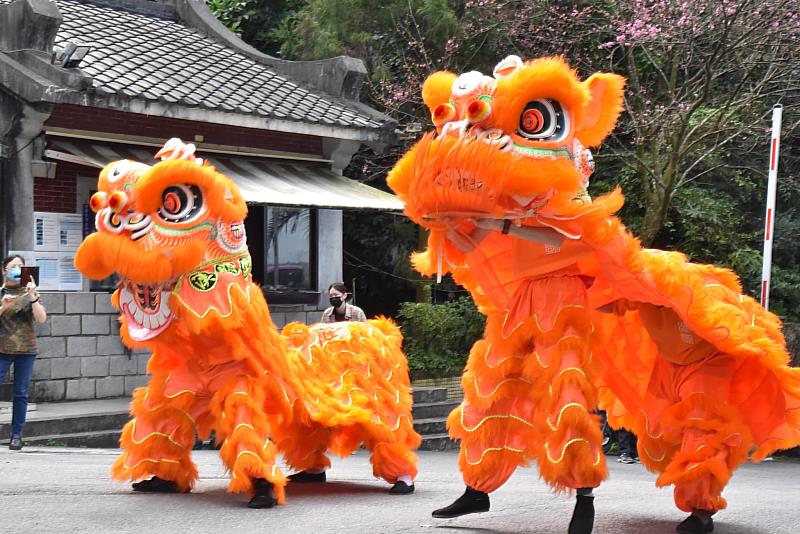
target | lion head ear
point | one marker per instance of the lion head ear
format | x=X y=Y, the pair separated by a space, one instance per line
x=603 y=108
x=437 y=87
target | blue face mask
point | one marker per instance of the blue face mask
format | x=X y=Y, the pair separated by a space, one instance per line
x=14 y=274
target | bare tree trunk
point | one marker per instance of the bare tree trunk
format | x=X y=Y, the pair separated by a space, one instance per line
x=658 y=201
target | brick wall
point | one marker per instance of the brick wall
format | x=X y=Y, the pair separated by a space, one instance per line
x=118 y=122
x=58 y=194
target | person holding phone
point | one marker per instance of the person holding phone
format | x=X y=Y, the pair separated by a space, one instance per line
x=20 y=307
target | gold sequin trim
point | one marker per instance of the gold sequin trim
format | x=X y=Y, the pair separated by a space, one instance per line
x=561 y=414
x=493 y=449
x=162 y=434
x=478 y=389
x=509 y=416
x=564 y=450
x=151 y=460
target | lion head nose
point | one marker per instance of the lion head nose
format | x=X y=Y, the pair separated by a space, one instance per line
x=98 y=201
x=118 y=201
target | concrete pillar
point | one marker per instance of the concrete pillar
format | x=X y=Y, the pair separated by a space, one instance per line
x=329 y=251
x=330 y=254
x=18 y=177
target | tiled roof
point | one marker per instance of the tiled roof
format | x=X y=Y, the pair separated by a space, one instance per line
x=145 y=56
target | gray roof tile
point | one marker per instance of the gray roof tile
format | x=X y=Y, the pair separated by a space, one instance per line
x=145 y=56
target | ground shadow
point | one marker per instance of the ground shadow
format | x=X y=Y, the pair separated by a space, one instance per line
x=471 y=530
x=639 y=524
x=333 y=488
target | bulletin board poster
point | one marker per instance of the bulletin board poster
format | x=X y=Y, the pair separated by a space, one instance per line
x=56 y=238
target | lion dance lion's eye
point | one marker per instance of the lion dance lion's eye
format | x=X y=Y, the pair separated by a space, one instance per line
x=543 y=120
x=180 y=203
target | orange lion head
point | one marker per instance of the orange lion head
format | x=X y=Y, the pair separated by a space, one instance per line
x=507 y=144
x=174 y=234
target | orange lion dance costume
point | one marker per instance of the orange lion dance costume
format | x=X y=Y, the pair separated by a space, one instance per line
x=578 y=314
x=174 y=233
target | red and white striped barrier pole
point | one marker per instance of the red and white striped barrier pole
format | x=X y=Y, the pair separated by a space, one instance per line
x=769 y=223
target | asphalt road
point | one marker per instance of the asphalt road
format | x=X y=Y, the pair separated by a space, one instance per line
x=51 y=490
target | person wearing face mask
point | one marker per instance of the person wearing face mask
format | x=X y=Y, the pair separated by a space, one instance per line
x=20 y=307
x=340 y=310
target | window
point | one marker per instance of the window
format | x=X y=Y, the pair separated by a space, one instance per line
x=283 y=248
x=287 y=243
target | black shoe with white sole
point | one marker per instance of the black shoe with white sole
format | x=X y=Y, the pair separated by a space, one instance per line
x=401 y=488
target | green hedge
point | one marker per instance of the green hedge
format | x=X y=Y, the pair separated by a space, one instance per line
x=437 y=337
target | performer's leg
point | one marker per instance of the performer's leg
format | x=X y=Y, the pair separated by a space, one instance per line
x=571 y=456
x=306 y=451
x=393 y=460
x=495 y=420
x=247 y=450
x=157 y=441
x=572 y=453
x=714 y=442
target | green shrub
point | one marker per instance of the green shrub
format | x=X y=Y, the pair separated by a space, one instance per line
x=437 y=337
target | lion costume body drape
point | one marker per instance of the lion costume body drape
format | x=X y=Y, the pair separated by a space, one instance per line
x=578 y=313
x=174 y=234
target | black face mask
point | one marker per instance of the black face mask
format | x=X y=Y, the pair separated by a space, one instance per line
x=336 y=301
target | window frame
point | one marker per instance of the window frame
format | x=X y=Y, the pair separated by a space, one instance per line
x=283 y=296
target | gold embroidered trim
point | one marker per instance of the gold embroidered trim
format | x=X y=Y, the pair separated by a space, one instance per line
x=564 y=450
x=478 y=389
x=509 y=416
x=152 y=460
x=162 y=434
x=561 y=413
x=493 y=449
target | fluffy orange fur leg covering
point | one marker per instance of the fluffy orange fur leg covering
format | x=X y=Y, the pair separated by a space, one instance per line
x=304 y=446
x=571 y=453
x=244 y=431
x=158 y=440
x=714 y=442
x=495 y=421
x=391 y=460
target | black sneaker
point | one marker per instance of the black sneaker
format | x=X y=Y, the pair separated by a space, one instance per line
x=305 y=476
x=401 y=488
x=264 y=498
x=156 y=485
x=472 y=502
x=16 y=443
x=695 y=525
x=582 y=516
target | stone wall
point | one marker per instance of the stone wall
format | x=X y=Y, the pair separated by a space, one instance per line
x=80 y=353
x=81 y=356
x=286 y=313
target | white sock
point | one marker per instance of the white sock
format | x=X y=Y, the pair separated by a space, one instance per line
x=407 y=479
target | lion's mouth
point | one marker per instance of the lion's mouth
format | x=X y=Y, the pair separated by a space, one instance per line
x=145 y=308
